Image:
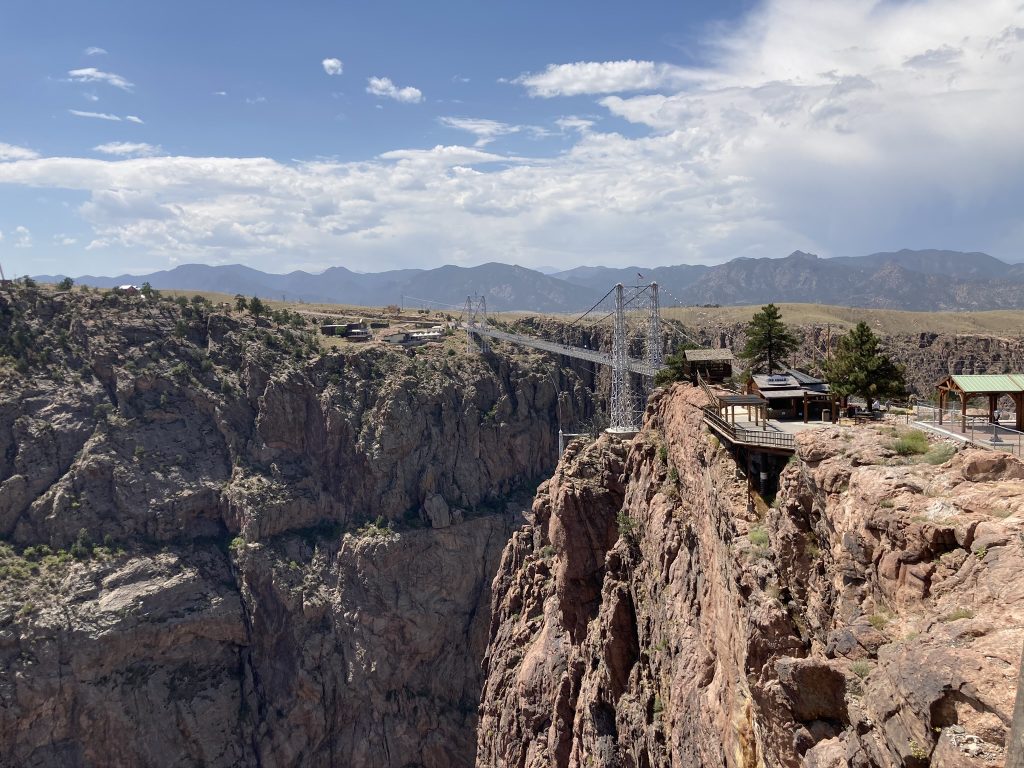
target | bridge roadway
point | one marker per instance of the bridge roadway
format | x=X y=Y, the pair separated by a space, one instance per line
x=580 y=353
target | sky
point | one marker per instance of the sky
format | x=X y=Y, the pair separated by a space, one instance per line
x=138 y=136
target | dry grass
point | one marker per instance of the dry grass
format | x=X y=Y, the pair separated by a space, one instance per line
x=884 y=321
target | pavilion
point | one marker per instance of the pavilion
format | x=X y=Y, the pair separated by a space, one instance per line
x=711 y=365
x=966 y=387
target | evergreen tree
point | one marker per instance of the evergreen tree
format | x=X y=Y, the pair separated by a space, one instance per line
x=769 y=340
x=241 y=303
x=675 y=366
x=860 y=368
x=257 y=307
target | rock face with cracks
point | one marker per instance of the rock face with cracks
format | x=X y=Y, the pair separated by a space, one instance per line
x=221 y=545
x=653 y=612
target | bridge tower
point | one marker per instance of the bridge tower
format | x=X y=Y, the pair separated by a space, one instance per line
x=655 y=353
x=622 y=419
x=476 y=314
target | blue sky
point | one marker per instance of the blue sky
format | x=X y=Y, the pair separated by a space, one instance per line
x=137 y=136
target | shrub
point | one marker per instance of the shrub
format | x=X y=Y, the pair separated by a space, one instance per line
x=959 y=613
x=878 y=621
x=82 y=548
x=861 y=669
x=912 y=443
x=940 y=454
x=758 y=537
x=626 y=524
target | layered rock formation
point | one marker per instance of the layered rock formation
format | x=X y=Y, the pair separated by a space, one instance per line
x=220 y=545
x=654 y=612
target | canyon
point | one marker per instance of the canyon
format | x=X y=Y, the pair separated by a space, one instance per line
x=222 y=545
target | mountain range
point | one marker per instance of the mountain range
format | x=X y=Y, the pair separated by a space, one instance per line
x=929 y=280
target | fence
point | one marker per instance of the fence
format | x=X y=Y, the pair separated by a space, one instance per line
x=978 y=429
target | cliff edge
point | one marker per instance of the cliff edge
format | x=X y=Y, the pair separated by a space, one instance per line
x=653 y=612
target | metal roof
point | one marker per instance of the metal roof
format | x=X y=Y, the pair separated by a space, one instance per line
x=801 y=377
x=773 y=394
x=977 y=383
x=705 y=355
x=740 y=400
x=775 y=381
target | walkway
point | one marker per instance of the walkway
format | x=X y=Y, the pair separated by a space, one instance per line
x=978 y=430
x=581 y=353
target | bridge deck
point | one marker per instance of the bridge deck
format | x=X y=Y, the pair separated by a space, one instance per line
x=580 y=353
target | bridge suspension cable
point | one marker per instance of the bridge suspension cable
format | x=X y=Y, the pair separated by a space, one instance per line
x=624 y=413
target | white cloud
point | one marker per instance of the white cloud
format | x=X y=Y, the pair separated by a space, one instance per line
x=792 y=138
x=573 y=123
x=96 y=115
x=332 y=66
x=94 y=51
x=134 y=119
x=382 y=86
x=23 y=237
x=128 y=149
x=11 y=152
x=590 y=77
x=91 y=97
x=93 y=75
x=64 y=240
x=256 y=100
x=485 y=130
x=220 y=93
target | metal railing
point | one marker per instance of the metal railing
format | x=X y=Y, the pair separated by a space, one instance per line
x=977 y=429
x=764 y=438
x=580 y=353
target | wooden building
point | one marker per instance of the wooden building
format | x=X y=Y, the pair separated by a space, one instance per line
x=988 y=386
x=796 y=394
x=712 y=365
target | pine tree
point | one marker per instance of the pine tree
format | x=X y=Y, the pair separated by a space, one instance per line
x=769 y=340
x=257 y=307
x=860 y=368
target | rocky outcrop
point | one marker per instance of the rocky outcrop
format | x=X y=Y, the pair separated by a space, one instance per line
x=223 y=545
x=656 y=612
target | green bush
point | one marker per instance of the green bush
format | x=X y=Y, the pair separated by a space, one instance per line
x=959 y=613
x=940 y=454
x=861 y=669
x=911 y=443
x=758 y=537
x=627 y=525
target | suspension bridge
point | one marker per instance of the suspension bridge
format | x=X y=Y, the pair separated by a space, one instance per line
x=642 y=299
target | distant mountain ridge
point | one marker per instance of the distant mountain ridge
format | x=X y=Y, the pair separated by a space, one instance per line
x=906 y=279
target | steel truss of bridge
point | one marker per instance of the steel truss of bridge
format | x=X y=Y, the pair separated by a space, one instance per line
x=624 y=413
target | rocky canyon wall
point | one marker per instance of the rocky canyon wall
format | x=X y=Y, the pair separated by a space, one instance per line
x=653 y=612
x=221 y=545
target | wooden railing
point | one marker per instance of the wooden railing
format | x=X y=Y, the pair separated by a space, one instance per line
x=764 y=438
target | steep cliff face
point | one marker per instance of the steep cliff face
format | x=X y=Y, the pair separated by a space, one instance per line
x=654 y=613
x=222 y=546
